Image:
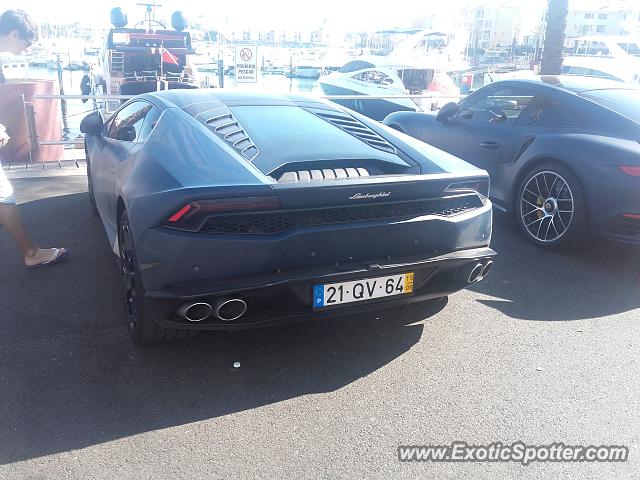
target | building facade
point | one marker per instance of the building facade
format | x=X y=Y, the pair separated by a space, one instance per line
x=603 y=17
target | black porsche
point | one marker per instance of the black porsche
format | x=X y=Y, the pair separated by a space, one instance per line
x=563 y=153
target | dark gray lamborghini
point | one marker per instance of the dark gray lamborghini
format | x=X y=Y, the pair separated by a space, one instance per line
x=231 y=210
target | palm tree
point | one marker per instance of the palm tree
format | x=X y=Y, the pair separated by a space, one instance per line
x=554 y=37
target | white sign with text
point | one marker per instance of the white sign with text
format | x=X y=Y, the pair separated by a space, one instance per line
x=246 y=64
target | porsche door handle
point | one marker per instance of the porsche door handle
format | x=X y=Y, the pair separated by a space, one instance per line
x=490 y=145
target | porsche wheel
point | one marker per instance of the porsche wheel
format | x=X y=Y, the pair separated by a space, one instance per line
x=551 y=209
x=141 y=326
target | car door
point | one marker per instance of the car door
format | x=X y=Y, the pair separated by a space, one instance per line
x=114 y=149
x=481 y=127
x=549 y=112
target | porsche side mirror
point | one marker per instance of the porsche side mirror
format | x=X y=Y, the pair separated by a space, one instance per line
x=126 y=134
x=92 y=124
x=447 y=111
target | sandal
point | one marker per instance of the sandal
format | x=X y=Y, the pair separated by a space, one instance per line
x=59 y=253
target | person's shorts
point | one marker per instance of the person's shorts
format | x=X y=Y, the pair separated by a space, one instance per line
x=6 y=190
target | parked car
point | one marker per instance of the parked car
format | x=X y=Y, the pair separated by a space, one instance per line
x=232 y=210
x=563 y=153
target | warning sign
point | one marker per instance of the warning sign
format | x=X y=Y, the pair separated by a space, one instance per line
x=246 y=64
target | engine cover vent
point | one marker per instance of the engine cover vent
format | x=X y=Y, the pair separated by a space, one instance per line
x=230 y=130
x=356 y=128
x=324 y=174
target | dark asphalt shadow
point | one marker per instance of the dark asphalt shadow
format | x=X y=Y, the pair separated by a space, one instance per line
x=531 y=283
x=70 y=377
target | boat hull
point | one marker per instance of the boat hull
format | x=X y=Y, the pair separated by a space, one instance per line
x=312 y=73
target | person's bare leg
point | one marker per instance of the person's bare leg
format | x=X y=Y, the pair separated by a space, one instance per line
x=10 y=219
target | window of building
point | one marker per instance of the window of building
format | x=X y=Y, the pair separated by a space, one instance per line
x=588 y=15
x=602 y=16
x=600 y=29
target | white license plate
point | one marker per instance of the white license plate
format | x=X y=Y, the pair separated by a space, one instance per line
x=332 y=294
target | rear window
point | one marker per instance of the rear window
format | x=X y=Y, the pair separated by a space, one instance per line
x=286 y=134
x=623 y=101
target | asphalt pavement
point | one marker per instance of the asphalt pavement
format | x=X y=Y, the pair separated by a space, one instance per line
x=546 y=349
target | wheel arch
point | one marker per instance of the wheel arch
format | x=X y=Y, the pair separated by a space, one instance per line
x=120 y=208
x=532 y=165
x=409 y=123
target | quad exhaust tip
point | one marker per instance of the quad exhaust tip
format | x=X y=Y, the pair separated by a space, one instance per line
x=476 y=273
x=487 y=268
x=230 y=309
x=480 y=271
x=195 y=312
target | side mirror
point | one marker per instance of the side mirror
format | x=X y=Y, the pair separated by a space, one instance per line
x=447 y=111
x=126 y=134
x=92 y=124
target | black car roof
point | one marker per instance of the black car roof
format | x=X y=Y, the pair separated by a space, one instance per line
x=182 y=98
x=570 y=83
x=315 y=128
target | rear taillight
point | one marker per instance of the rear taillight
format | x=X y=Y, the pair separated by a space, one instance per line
x=191 y=216
x=478 y=186
x=179 y=214
x=633 y=171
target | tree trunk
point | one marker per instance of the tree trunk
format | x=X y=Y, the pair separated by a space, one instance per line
x=554 y=37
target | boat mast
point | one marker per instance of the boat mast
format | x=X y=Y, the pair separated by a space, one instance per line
x=150 y=14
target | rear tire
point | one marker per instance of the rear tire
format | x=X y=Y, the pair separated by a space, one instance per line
x=142 y=327
x=551 y=208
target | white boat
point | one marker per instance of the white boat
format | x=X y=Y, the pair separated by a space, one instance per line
x=145 y=58
x=379 y=77
x=308 y=67
x=604 y=56
x=202 y=62
x=13 y=67
x=414 y=67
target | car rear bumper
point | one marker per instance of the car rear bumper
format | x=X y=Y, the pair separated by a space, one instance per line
x=613 y=200
x=283 y=298
x=169 y=257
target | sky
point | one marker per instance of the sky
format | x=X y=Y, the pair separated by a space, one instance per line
x=295 y=14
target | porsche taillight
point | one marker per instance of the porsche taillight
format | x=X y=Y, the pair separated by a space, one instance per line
x=633 y=171
x=191 y=215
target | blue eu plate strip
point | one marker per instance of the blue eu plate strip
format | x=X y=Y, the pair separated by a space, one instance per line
x=318 y=296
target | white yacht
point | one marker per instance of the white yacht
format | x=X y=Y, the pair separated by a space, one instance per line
x=604 y=56
x=405 y=71
x=307 y=66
